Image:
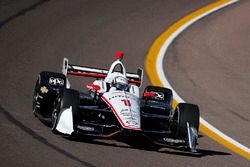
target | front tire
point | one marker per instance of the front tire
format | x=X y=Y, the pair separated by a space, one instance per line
x=55 y=115
x=186 y=113
x=69 y=98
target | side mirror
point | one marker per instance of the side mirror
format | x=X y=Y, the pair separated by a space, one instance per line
x=93 y=87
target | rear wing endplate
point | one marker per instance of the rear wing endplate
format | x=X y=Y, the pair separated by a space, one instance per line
x=71 y=69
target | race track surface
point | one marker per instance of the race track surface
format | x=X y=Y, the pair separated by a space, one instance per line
x=209 y=64
x=37 y=36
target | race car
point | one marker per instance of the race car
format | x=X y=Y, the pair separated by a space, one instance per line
x=113 y=106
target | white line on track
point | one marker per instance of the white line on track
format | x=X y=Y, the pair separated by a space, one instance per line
x=163 y=79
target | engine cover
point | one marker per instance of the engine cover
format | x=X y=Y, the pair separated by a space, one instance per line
x=126 y=108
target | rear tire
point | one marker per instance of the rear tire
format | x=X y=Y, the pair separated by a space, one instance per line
x=184 y=113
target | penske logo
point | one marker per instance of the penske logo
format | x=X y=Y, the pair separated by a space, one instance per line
x=56 y=81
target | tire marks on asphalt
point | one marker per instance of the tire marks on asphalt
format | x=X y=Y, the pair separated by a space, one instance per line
x=41 y=139
x=22 y=12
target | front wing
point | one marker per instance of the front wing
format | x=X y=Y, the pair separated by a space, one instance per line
x=96 y=129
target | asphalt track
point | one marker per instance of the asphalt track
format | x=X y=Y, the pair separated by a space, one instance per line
x=215 y=68
x=36 y=37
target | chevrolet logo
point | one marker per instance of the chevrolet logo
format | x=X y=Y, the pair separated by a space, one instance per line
x=44 y=89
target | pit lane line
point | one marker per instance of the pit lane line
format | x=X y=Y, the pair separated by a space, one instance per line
x=154 y=69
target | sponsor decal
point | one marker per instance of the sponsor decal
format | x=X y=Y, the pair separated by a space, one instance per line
x=132 y=123
x=124 y=111
x=127 y=95
x=116 y=96
x=43 y=89
x=158 y=96
x=126 y=108
x=56 y=81
x=86 y=128
x=177 y=141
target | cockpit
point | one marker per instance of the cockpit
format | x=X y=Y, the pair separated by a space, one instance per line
x=120 y=83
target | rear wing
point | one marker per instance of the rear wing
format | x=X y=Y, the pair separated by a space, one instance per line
x=135 y=78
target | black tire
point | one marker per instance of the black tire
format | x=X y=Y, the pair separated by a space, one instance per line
x=184 y=113
x=68 y=98
x=168 y=95
x=46 y=93
x=55 y=114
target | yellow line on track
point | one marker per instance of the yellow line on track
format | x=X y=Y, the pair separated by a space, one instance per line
x=150 y=64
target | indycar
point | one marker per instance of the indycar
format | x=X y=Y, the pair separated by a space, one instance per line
x=113 y=105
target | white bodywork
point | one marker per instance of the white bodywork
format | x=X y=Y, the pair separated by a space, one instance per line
x=102 y=84
x=124 y=104
x=65 y=122
x=126 y=108
x=134 y=90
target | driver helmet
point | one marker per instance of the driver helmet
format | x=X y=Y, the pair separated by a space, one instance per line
x=120 y=82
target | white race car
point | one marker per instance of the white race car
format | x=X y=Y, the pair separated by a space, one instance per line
x=113 y=106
